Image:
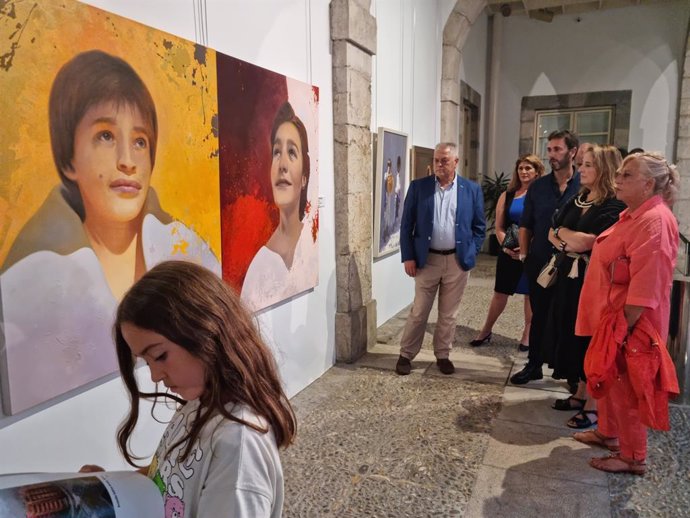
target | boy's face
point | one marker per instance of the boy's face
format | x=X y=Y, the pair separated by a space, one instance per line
x=112 y=163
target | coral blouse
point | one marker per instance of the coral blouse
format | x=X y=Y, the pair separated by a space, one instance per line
x=640 y=251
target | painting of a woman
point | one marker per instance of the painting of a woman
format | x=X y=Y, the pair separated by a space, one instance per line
x=287 y=263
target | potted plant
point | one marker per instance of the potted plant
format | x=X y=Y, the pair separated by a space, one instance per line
x=493 y=186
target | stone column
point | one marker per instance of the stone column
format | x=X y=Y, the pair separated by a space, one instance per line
x=455 y=33
x=682 y=206
x=353 y=32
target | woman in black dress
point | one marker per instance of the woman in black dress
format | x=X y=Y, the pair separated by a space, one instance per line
x=510 y=278
x=575 y=227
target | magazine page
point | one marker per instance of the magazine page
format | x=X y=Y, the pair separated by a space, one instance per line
x=106 y=494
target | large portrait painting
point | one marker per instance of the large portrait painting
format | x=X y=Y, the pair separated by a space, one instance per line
x=109 y=166
x=269 y=173
x=391 y=181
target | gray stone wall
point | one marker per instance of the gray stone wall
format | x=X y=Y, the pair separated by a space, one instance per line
x=682 y=206
x=619 y=99
x=455 y=33
x=353 y=33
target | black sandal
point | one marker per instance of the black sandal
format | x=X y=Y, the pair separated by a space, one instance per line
x=582 y=420
x=567 y=403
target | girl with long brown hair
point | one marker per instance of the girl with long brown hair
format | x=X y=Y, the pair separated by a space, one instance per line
x=219 y=454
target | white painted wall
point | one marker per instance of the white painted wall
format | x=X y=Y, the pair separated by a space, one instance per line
x=291 y=37
x=634 y=48
x=406 y=97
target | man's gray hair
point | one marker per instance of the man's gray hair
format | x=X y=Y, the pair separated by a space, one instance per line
x=451 y=146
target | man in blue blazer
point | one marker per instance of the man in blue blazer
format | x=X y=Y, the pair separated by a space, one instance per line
x=442 y=230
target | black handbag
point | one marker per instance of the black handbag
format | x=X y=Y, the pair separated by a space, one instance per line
x=510 y=240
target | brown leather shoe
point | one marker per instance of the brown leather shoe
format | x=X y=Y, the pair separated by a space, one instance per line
x=445 y=366
x=403 y=367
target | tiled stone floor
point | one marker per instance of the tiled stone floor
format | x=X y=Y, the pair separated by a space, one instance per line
x=374 y=444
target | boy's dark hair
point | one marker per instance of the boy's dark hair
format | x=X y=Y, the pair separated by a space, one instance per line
x=88 y=79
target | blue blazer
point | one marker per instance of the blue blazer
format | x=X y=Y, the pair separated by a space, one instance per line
x=418 y=221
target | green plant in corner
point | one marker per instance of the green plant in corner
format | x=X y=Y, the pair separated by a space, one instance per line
x=493 y=187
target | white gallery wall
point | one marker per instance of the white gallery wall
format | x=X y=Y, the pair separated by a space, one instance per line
x=406 y=98
x=638 y=48
x=291 y=37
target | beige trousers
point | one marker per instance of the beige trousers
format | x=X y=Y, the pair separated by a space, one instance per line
x=443 y=274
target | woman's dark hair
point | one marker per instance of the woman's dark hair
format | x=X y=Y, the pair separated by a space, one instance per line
x=193 y=308
x=286 y=114
x=89 y=79
x=534 y=161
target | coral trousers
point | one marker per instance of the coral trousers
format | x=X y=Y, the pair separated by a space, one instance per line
x=619 y=417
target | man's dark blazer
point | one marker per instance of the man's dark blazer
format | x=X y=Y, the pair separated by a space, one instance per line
x=418 y=221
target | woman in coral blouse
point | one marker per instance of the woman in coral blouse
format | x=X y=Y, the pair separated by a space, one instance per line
x=633 y=263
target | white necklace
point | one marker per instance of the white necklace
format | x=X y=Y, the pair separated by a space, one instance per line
x=582 y=203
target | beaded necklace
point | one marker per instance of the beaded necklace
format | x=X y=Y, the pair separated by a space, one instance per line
x=582 y=203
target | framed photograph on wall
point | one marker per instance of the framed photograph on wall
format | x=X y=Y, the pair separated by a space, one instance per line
x=391 y=180
x=421 y=162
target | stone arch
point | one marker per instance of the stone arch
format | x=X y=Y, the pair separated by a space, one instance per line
x=455 y=32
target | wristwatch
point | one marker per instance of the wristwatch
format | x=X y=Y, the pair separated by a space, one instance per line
x=556 y=231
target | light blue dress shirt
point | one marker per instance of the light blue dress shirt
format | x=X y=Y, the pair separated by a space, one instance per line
x=445 y=207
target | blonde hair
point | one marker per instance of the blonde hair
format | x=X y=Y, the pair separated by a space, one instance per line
x=665 y=175
x=607 y=160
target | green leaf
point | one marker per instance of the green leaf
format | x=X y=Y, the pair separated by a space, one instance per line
x=493 y=187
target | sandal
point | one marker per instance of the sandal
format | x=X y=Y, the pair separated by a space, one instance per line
x=614 y=463
x=582 y=420
x=567 y=404
x=595 y=438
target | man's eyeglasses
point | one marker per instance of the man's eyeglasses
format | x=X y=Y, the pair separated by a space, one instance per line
x=442 y=161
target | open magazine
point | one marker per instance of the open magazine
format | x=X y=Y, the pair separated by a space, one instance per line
x=106 y=494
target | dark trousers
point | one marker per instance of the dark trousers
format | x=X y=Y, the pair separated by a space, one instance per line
x=540 y=300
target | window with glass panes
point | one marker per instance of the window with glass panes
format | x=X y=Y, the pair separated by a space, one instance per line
x=591 y=125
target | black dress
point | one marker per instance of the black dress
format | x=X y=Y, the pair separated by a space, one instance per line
x=510 y=277
x=563 y=351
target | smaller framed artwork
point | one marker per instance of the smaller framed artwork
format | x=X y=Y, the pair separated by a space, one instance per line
x=421 y=162
x=391 y=180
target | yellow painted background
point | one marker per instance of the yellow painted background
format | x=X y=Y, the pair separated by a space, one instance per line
x=36 y=39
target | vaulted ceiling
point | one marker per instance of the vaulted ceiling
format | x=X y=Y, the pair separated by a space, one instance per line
x=545 y=10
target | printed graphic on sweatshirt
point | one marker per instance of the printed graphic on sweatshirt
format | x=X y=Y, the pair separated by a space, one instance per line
x=173 y=476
